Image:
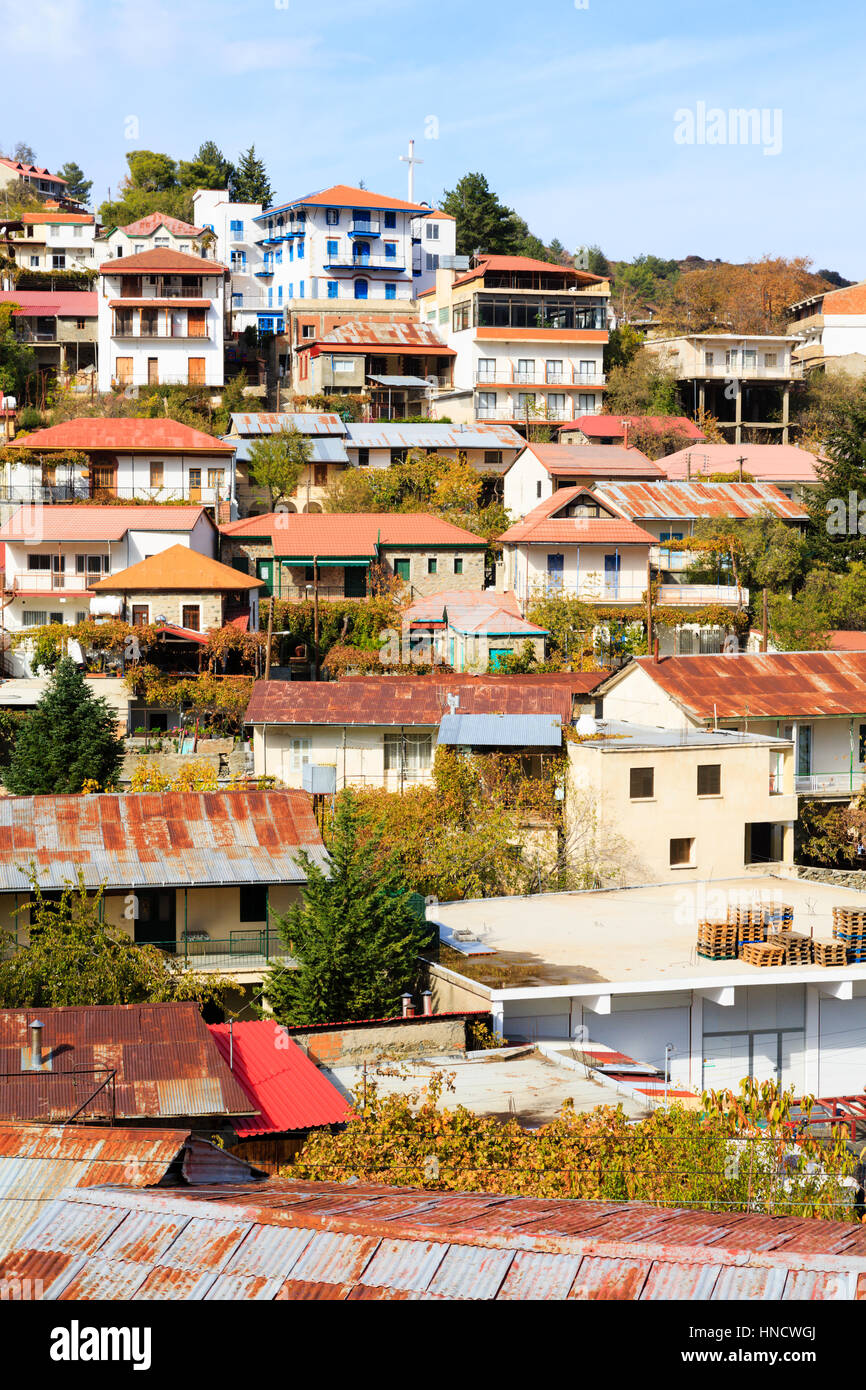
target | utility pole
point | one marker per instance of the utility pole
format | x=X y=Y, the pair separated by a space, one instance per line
x=270 y=635
x=411 y=161
x=764 y=622
x=649 y=607
x=741 y=461
x=315 y=617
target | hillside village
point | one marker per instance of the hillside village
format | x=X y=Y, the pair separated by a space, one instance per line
x=432 y=728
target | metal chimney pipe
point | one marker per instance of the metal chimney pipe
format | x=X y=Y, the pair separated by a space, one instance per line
x=427 y=1002
x=36 y=1045
x=408 y=1011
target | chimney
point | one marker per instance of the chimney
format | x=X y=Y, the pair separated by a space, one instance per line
x=408 y=1010
x=656 y=650
x=625 y=428
x=427 y=1002
x=36 y=1045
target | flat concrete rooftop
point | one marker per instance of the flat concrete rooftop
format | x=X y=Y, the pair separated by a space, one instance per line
x=639 y=940
x=621 y=736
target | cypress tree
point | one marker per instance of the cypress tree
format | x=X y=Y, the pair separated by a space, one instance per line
x=70 y=738
x=250 y=182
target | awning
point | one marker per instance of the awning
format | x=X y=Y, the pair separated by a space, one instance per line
x=400 y=381
x=501 y=730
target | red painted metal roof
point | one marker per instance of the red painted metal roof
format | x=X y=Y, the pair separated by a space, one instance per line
x=82 y=304
x=383 y=336
x=769 y=463
x=799 y=685
x=594 y=461
x=288 y=1090
x=166 y=1064
x=350 y=535
x=83 y=522
x=611 y=426
x=163 y=259
x=672 y=500
x=412 y=700
x=528 y=264
x=331 y=1241
x=125 y=434
x=845 y=640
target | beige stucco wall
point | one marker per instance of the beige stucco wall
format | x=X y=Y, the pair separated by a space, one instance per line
x=356 y=751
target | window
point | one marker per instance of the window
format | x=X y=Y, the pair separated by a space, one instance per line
x=682 y=853
x=308 y=330
x=553 y=368
x=390 y=219
x=34 y=262
x=402 y=568
x=332 y=247
x=410 y=754
x=80 y=323
x=587 y=368
x=391 y=250
x=432 y=564
x=771 y=359
x=37 y=617
x=862 y=754
x=190 y=616
x=538 y=489
x=460 y=316
x=237 y=227
x=332 y=217
x=431 y=260
x=708 y=359
x=525 y=402
x=364 y=460
x=301 y=249
x=641 y=783
x=432 y=231
x=360 y=289
x=253 y=902
x=58 y=261
x=443 y=314
x=486 y=402
x=332 y=289
x=343 y=364
x=301 y=749
x=458 y=564
x=39 y=562
x=390 y=291
x=709 y=779
x=487 y=369
x=160 y=241
x=157 y=474
x=216 y=478
x=320 y=474
x=556 y=404
x=525 y=369
x=750 y=360
x=140 y=614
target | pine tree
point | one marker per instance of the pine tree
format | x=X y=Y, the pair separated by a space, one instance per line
x=483 y=223
x=837 y=507
x=77 y=186
x=251 y=183
x=355 y=936
x=70 y=738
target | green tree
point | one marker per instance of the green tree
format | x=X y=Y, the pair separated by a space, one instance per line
x=74 y=957
x=71 y=738
x=597 y=261
x=643 y=386
x=251 y=183
x=17 y=360
x=356 y=936
x=483 y=223
x=837 y=506
x=623 y=344
x=763 y=551
x=208 y=168
x=77 y=186
x=151 y=185
x=277 y=462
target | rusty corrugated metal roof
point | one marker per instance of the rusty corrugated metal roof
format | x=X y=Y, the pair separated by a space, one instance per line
x=166 y=1061
x=774 y=685
x=278 y=1241
x=157 y=838
x=672 y=501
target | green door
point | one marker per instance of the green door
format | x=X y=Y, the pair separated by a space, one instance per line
x=265 y=571
x=355 y=581
x=497 y=657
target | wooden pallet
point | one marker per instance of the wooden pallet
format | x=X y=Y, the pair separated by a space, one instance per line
x=762 y=953
x=752 y=932
x=717 y=933
x=830 y=953
x=780 y=916
x=798 y=949
x=717 y=953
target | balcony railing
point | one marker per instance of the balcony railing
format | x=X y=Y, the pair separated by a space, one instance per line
x=699 y=595
x=830 y=783
x=366 y=228
x=741 y=371
x=165 y=290
x=603 y=589
x=347 y=262
x=81 y=491
x=52 y=581
x=513 y=376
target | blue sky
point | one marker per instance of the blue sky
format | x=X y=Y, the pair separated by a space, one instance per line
x=569 y=112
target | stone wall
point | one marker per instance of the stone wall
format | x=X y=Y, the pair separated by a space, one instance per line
x=839 y=878
x=411 y=1037
x=171 y=606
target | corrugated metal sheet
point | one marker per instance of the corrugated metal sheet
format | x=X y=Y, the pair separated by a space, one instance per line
x=775 y=685
x=771 y=463
x=271 y=422
x=501 y=730
x=323 y=450
x=673 y=501
x=178 y=1072
x=285 y=1087
x=384 y=435
x=385 y=335
x=595 y=461
x=277 y=1242
x=163 y=838
x=485 y=612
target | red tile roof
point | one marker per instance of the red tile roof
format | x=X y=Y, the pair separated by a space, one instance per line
x=145 y=225
x=605 y=426
x=777 y=685
x=527 y=263
x=82 y=304
x=543 y=525
x=594 y=461
x=167 y=1063
x=414 y=700
x=128 y=435
x=343 y=195
x=83 y=522
x=287 y=1089
x=351 y=534
x=769 y=463
x=162 y=258
x=55 y=217
x=177 y=570
x=30 y=169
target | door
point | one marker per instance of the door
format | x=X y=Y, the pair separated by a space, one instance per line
x=155 y=922
x=361 y=253
x=102 y=480
x=726 y=1061
x=265 y=572
x=196 y=371
x=555 y=570
x=196 y=327
x=195 y=485
x=804 y=750
x=355 y=581
x=498 y=656
x=123 y=370
x=611 y=575
x=153 y=371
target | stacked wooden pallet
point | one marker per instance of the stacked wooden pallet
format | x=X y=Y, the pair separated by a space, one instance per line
x=849 y=927
x=751 y=923
x=717 y=940
x=798 y=949
x=779 y=916
x=830 y=953
x=763 y=952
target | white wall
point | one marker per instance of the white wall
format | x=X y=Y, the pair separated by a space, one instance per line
x=583 y=572
x=526 y=484
x=356 y=751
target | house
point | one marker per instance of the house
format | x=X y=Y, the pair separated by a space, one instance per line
x=574 y=546
x=137 y=1063
x=59 y=325
x=698 y=804
x=342 y=555
x=153 y=460
x=620 y=968
x=434 y=243
x=235 y=243
x=381 y=731
x=615 y=429
x=157 y=231
x=469 y=632
x=817 y=699
x=743 y=380
x=17 y=175
x=39 y=1161
x=829 y=331
x=528 y=336
x=55 y=556
x=161 y=320
x=324 y=1240
x=540 y=469
x=198 y=873
x=398 y=363
x=182 y=587
x=326 y=434
x=55 y=239
x=788 y=467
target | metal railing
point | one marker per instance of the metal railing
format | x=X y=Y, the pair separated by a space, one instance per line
x=362 y=227
x=609 y=590
x=830 y=783
x=348 y=262
x=732 y=371
x=244 y=948
x=513 y=376
x=54 y=581
x=85 y=491
x=700 y=594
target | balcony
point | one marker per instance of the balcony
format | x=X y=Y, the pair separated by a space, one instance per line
x=601 y=588
x=367 y=228
x=700 y=595
x=673 y=561
x=346 y=262
x=264 y=272
x=740 y=372
x=52 y=582
x=569 y=377
x=831 y=784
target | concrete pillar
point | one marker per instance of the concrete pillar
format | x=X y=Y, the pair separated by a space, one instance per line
x=812 y=1043
x=786 y=403
x=738 y=411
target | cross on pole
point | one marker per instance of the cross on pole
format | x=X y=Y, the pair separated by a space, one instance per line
x=411 y=161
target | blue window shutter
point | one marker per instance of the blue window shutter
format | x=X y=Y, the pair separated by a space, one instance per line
x=301 y=249
x=301 y=290
x=332 y=289
x=390 y=291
